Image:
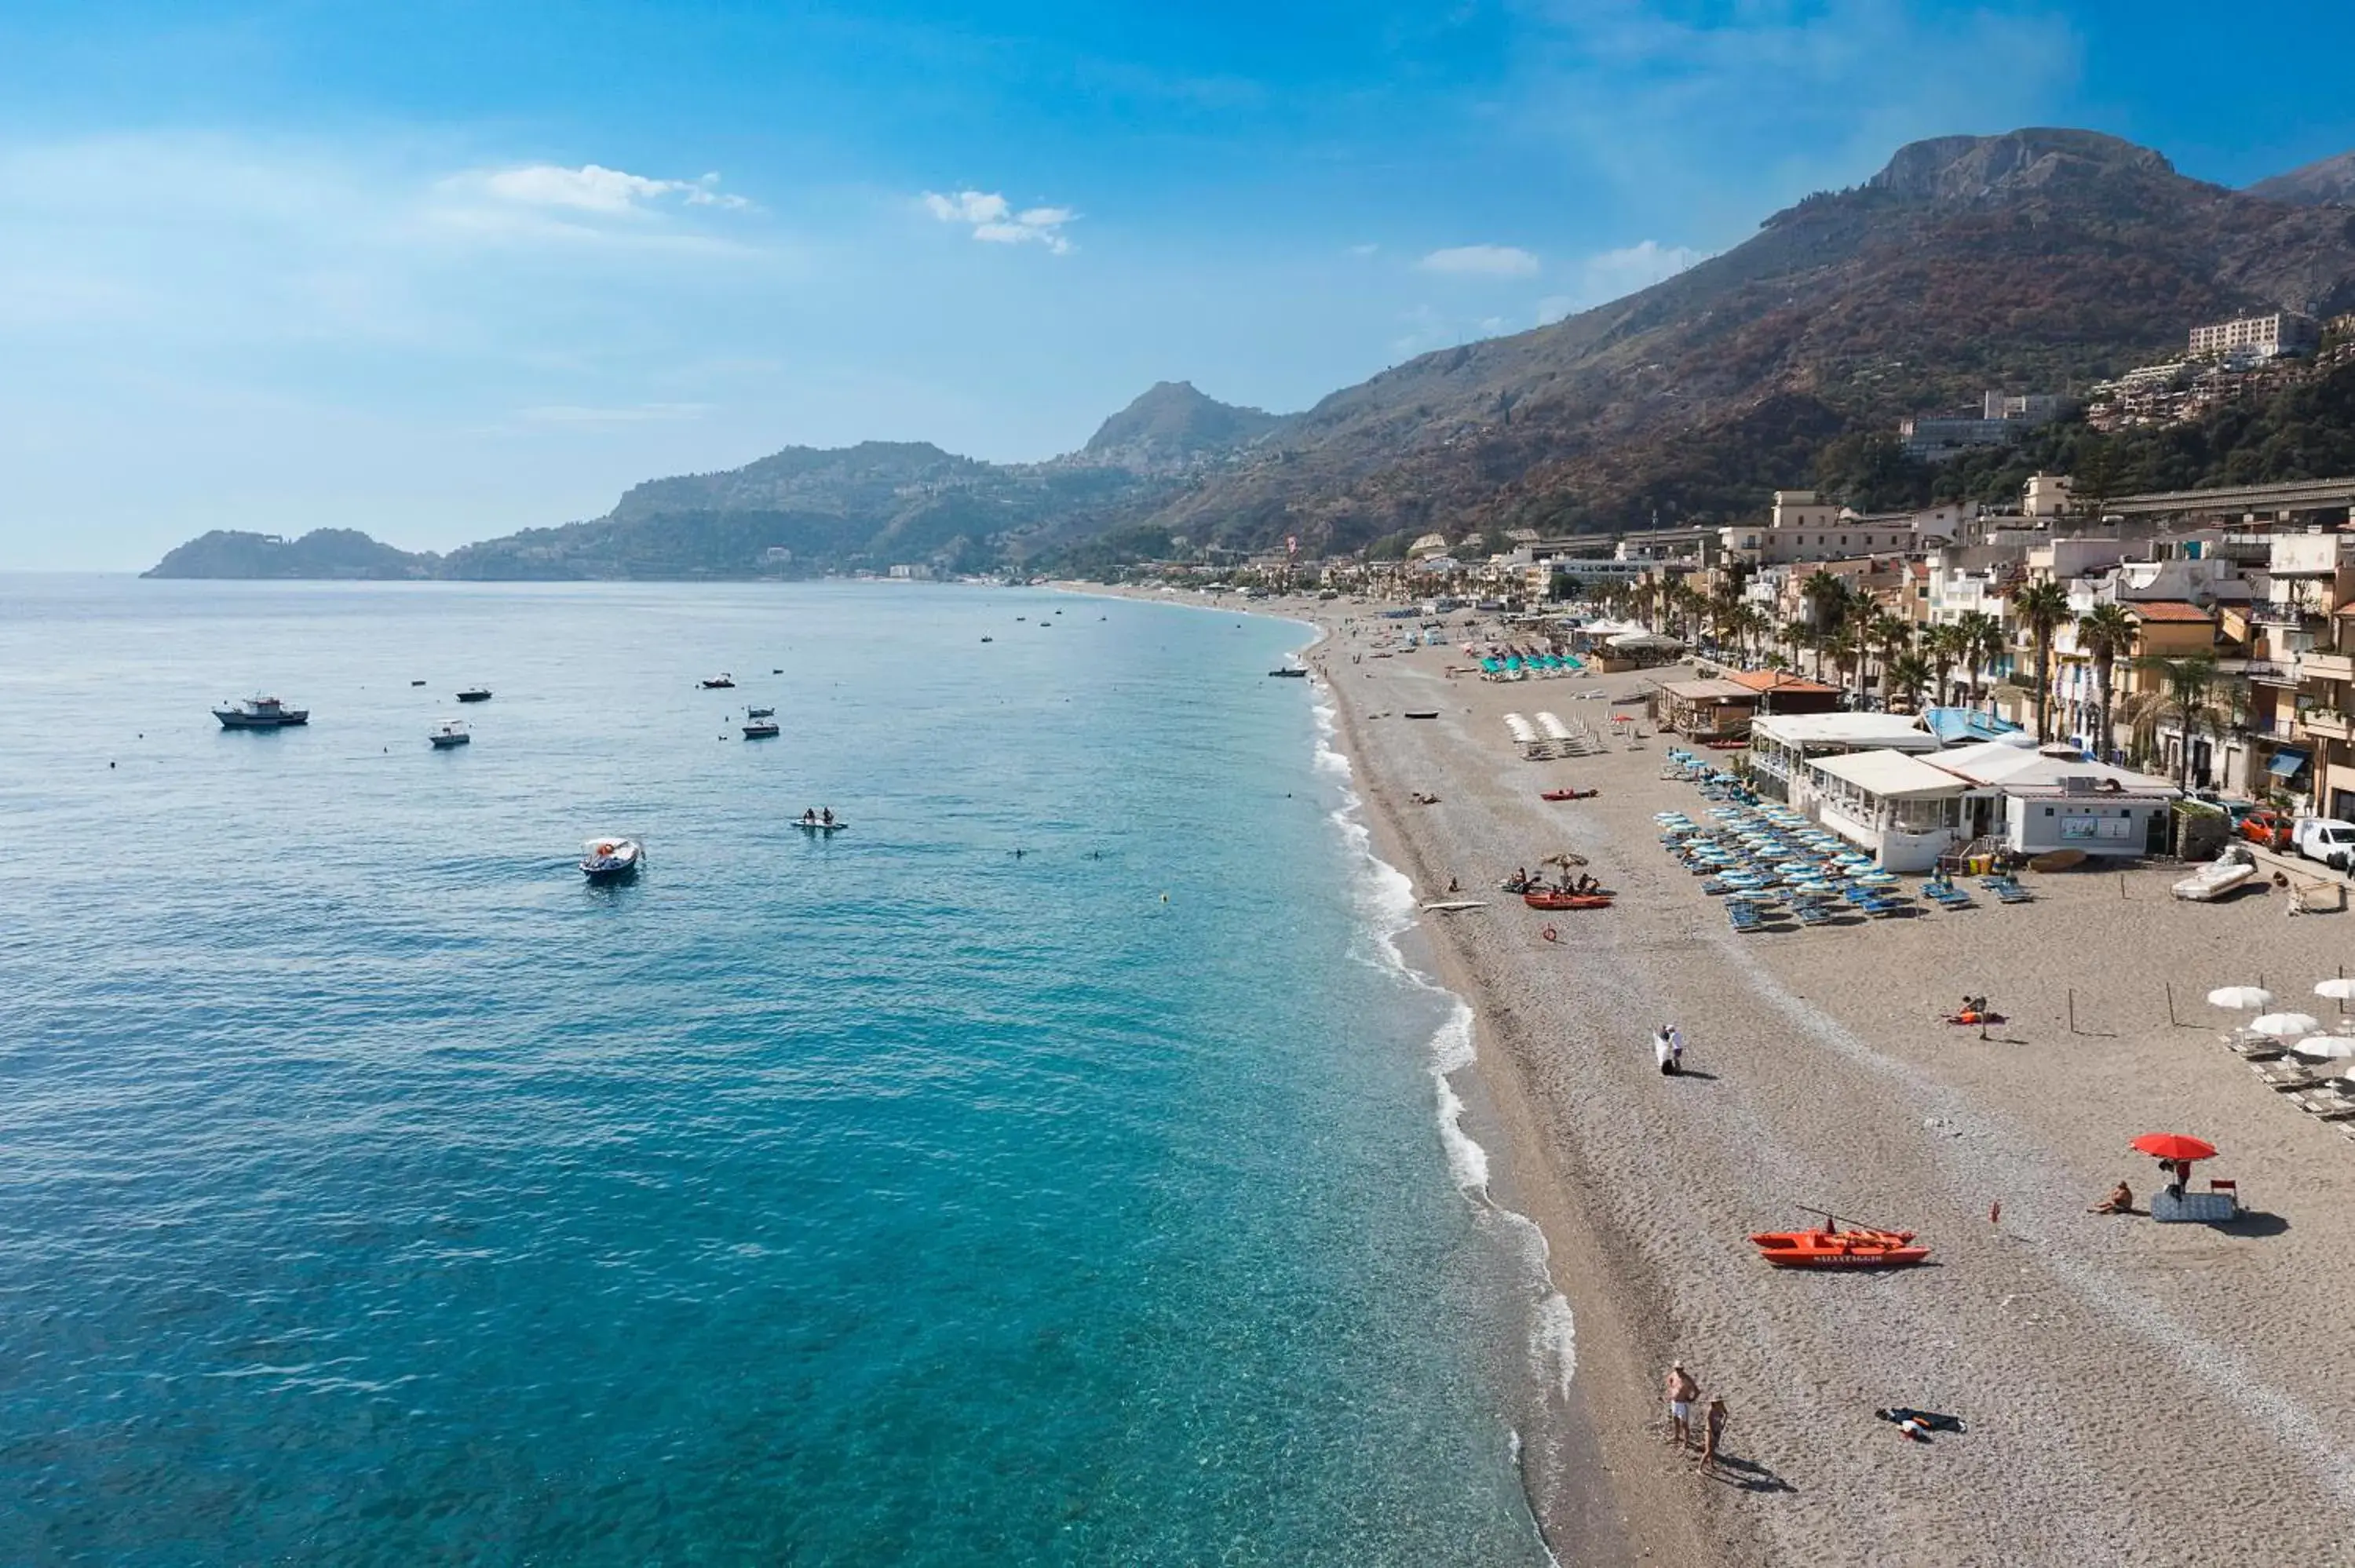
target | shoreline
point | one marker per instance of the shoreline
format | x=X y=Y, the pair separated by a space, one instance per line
x=2135 y=1393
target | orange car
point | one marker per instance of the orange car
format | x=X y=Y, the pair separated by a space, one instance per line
x=2270 y=828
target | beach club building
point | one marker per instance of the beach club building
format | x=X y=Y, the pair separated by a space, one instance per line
x=1705 y=710
x=1904 y=810
x=1909 y=806
x=1783 y=745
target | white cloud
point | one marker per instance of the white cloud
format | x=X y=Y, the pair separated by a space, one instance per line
x=593 y=187
x=1481 y=261
x=994 y=220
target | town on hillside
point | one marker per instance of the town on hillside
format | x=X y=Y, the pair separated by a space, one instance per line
x=2205 y=636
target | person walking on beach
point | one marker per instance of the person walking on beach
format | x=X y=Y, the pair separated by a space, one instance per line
x=1682 y=1392
x=1676 y=1049
x=1712 y=1428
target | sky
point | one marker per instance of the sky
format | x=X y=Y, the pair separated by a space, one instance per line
x=442 y=271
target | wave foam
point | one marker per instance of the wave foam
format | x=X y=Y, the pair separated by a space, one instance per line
x=1385 y=898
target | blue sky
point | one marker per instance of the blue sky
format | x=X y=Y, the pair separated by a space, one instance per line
x=442 y=271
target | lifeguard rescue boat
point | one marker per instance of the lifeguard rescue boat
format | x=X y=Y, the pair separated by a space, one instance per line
x=1567 y=900
x=1832 y=1247
x=1568 y=794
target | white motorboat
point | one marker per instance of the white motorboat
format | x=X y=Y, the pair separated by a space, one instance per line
x=611 y=859
x=761 y=730
x=475 y=695
x=2218 y=877
x=449 y=733
x=260 y=713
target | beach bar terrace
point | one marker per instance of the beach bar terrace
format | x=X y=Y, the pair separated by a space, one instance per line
x=1782 y=745
x=1705 y=710
x=2055 y=796
x=1902 y=809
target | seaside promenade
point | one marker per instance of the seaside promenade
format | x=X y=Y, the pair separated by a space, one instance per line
x=2135 y=1393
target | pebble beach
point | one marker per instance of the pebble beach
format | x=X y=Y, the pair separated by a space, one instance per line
x=2134 y=1393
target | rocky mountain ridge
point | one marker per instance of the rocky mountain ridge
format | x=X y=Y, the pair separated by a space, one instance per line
x=2036 y=260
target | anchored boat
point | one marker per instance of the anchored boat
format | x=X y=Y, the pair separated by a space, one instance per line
x=761 y=729
x=475 y=695
x=1552 y=901
x=611 y=859
x=260 y=713
x=449 y=733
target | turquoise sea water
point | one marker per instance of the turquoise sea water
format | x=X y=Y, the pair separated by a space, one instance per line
x=374 y=1191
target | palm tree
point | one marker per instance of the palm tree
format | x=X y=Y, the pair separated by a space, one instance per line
x=2043 y=608
x=2186 y=694
x=1799 y=637
x=1941 y=645
x=1827 y=600
x=1979 y=637
x=1908 y=675
x=1891 y=635
x=2106 y=633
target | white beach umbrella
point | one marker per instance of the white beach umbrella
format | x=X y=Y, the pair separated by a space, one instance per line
x=2284 y=1025
x=2240 y=997
x=2326 y=1046
x=2341 y=990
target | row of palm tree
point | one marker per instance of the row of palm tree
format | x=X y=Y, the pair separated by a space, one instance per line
x=1855 y=632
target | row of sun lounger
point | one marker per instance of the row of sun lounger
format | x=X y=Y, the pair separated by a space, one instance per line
x=1551 y=737
x=1523 y=666
x=2322 y=1092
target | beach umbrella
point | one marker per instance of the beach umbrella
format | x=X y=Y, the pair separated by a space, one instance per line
x=2180 y=1146
x=2283 y=1025
x=2341 y=990
x=2240 y=997
x=2326 y=1046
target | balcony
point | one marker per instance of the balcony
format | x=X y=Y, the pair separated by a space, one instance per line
x=2327 y=666
x=2326 y=724
x=2266 y=673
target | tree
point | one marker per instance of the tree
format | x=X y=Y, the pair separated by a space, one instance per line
x=1827 y=596
x=1908 y=675
x=2096 y=480
x=1941 y=645
x=1978 y=637
x=2043 y=608
x=2186 y=695
x=1892 y=636
x=2106 y=633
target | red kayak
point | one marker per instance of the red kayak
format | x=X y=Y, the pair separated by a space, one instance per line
x=1568 y=794
x=1839 y=1249
x=1566 y=900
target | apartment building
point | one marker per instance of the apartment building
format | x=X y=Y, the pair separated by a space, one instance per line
x=1804 y=527
x=2256 y=337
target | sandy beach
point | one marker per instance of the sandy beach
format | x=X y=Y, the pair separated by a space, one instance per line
x=2134 y=1393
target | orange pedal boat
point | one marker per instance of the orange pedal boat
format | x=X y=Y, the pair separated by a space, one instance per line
x=1835 y=1248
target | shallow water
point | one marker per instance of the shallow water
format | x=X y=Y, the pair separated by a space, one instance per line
x=377 y=1191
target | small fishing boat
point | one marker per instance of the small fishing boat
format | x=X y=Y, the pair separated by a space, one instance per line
x=719 y=683
x=989 y=640
x=2218 y=877
x=1830 y=1246
x=475 y=695
x=611 y=859
x=1454 y=906
x=260 y=713
x=449 y=733
x=761 y=730
x=1552 y=901
x=759 y=713
x=1289 y=673
x=1420 y=713
x=1568 y=794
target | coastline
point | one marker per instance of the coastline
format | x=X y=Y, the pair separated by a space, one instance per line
x=2135 y=1393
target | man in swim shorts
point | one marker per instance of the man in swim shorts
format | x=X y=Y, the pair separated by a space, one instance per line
x=1682 y=1392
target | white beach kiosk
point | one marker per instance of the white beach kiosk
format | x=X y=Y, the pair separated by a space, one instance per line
x=1906 y=810
x=2055 y=798
x=1782 y=745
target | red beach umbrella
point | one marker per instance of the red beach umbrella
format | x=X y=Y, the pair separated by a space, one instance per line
x=2175 y=1146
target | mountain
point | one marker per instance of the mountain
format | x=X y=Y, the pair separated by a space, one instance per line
x=321 y=553
x=1173 y=426
x=2036 y=260
x=2329 y=182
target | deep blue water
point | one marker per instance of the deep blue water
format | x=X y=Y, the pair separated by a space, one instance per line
x=374 y=1191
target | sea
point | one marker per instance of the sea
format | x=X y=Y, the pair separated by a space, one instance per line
x=1057 y=1165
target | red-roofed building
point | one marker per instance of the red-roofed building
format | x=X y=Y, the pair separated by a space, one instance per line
x=1780 y=692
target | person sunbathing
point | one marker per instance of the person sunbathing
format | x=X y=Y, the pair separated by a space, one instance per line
x=2119 y=1202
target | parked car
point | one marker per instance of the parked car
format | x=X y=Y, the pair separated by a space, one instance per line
x=2326 y=839
x=2267 y=826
